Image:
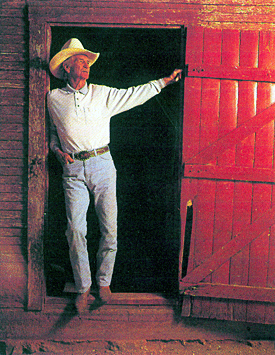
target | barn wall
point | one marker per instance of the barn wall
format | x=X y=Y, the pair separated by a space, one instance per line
x=13 y=152
x=233 y=14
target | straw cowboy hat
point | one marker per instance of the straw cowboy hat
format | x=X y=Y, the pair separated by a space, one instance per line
x=70 y=48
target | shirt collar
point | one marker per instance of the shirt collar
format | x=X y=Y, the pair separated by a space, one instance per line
x=83 y=90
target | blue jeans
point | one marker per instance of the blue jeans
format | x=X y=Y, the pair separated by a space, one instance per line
x=96 y=175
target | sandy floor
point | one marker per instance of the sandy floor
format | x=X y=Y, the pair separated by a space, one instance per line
x=141 y=347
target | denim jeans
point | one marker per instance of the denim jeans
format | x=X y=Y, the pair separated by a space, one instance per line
x=97 y=176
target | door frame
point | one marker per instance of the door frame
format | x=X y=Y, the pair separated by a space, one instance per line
x=40 y=24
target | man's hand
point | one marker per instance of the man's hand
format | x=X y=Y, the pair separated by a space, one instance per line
x=64 y=158
x=174 y=77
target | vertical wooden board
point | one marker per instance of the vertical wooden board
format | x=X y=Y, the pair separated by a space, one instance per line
x=258 y=275
x=209 y=113
x=194 y=45
x=221 y=309
x=227 y=117
x=241 y=217
x=258 y=261
x=265 y=137
x=262 y=193
x=239 y=264
x=239 y=275
x=267 y=50
x=246 y=109
x=259 y=248
x=223 y=225
x=270 y=309
x=247 y=95
x=264 y=147
x=202 y=307
x=37 y=168
x=231 y=47
x=261 y=200
x=212 y=46
x=271 y=259
x=204 y=221
x=249 y=45
x=269 y=313
x=191 y=120
x=239 y=311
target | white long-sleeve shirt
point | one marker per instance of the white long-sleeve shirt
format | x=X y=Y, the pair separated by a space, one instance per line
x=80 y=119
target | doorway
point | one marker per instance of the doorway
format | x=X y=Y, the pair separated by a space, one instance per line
x=145 y=148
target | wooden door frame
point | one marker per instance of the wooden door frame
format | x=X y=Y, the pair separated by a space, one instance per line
x=40 y=24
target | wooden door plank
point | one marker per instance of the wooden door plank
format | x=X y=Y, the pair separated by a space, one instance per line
x=240 y=261
x=204 y=219
x=246 y=108
x=210 y=89
x=212 y=47
x=244 y=237
x=266 y=49
x=271 y=258
x=249 y=49
x=191 y=119
x=209 y=113
x=241 y=219
x=269 y=310
x=229 y=173
x=204 y=210
x=223 y=226
x=264 y=147
x=194 y=45
x=258 y=260
x=265 y=137
x=227 y=118
x=230 y=48
x=224 y=190
x=221 y=235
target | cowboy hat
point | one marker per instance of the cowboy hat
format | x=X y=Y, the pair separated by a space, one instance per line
x=70 y=48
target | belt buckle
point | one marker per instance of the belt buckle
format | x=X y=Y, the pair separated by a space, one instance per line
x=84 y=155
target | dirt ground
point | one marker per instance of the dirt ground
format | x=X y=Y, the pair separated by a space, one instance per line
x=140 y=347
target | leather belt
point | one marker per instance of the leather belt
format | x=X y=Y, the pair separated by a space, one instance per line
x=85 y=154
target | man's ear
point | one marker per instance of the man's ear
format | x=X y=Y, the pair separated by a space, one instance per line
x=67 y=68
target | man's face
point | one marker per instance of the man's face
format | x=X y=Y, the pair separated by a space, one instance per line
x=79 y=67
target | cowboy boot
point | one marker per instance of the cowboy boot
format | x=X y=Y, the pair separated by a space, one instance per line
x=105 y=294
x=81 y=301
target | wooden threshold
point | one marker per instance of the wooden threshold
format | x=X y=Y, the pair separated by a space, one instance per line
x=128 y=298
x=120 y=302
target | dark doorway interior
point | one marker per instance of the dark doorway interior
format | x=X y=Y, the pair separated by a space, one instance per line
x=144 y=145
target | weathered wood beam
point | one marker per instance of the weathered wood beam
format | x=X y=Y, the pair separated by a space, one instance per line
x=246 y=293
x=232 y=73
x=234 y=173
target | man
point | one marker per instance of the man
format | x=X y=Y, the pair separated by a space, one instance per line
x=80 y=134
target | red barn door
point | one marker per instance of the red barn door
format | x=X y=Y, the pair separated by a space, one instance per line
x=228 y=176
